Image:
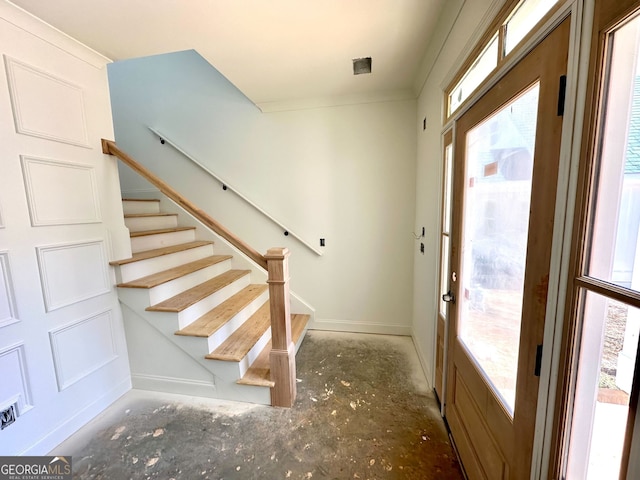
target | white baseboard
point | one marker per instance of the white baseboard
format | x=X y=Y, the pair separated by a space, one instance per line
x=360 y=327
x=198 y=388
x=181 y=386
x=80 y=419
x=423 y=362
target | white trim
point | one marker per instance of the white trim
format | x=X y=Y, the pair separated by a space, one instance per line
x=9 y=290
x=32 y=25
x=24 y=401
x=14 y=93
x=327 y=102
x=360 y=327
x=231 y=188
x=36 y=221
x=428 y=374
x=79 y=420
x=61 y=377
x=161 y=383
x=50 y=305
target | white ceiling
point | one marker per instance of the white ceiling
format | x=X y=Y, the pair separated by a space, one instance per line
x=272 y=50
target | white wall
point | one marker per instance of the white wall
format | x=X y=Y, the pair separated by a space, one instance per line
x=459 y=21
x=63 y=356
x=342 y=173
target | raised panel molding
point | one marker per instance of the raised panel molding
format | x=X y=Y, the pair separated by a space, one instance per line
x=60 y=193
x=8 y=313
x=82 y=347
x=14 y=387
x=45 y=105
x=72 y=272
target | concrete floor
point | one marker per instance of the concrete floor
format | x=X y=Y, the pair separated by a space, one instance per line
x=364 y=411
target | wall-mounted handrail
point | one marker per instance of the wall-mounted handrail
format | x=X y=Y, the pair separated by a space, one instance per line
x=164 y=139
x=109 y=147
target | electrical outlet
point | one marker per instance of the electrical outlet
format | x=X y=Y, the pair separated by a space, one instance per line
x=7 y=417
x=322 y=242
x=423 y=232
x=422 y=248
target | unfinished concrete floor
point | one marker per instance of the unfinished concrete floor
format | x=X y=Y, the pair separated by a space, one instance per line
x=364 y=410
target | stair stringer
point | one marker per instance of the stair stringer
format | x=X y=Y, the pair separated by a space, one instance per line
x=198 y=347
x=224 y=247
x=162 y=361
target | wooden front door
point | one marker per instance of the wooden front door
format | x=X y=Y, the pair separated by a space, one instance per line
x=506 y=151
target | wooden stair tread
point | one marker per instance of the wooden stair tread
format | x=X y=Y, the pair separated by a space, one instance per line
x=210 y=322
x=165 y=276
x=236 y=347
x=298 y=323
x=191 y=296
x=143 y=215
x=140 y=200
x=144 y=233
x=158 y=252
x=259 y=373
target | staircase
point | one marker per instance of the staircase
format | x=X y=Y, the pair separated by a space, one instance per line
x=196 y=317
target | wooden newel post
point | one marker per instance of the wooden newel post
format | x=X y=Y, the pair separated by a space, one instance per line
x=283 y=350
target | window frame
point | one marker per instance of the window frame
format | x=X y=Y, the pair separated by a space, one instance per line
x=496 y=27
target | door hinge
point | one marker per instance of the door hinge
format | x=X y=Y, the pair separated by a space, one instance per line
x=562 y=94
x=538 y=361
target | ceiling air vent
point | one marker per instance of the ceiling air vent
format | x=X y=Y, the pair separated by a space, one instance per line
x=361 y=65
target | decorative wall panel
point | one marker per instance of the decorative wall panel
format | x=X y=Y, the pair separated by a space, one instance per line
x=60 y=193
x=14 y=387
x=8 y=313
x=45 y=105
x=82 y=347
x=72 y=272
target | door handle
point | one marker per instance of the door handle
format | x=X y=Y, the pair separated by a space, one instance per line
x=449 y=297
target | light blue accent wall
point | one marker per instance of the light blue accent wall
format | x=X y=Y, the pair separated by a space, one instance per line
x=344 y=173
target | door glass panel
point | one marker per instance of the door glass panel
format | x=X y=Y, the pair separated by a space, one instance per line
x=499 y=166
x=444 y=274
x=608 y=350
x=448 y=176
x=614 y=252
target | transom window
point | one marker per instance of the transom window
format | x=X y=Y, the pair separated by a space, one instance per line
x=513 y=27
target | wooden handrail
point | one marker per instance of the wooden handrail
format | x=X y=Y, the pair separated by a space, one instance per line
x=276 y=262
x=109 y=147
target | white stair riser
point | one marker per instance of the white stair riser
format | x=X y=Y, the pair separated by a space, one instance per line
x=141 y=224
x=220 y=335
x=159 y=240
x=130 y=207
x=134 y=270
x=174 y=287
x=236 y=370
x=195 y=311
